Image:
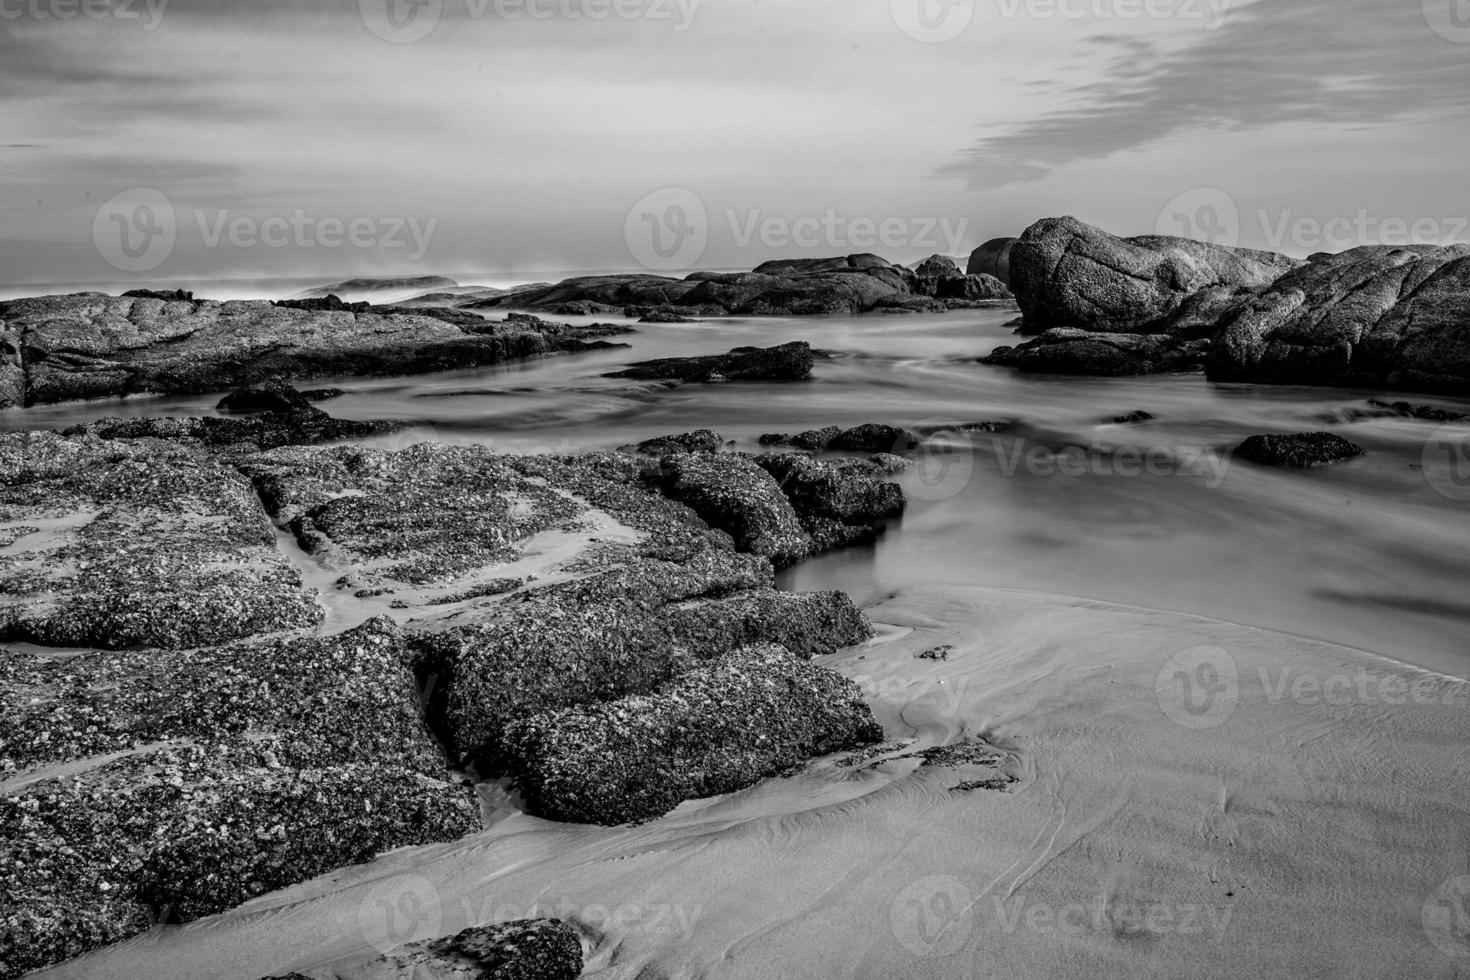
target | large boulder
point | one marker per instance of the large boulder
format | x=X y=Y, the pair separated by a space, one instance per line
x=1374 y=316
x=1069 y=274
x=992 y=259
x=717 y=729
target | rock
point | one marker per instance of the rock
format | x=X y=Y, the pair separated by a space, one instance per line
x=88 y=345
x=1069 y=274
x=618 y=633
x=701 y=441
x=529 y=949
x=891 y=464
x=801 y=293
x=371 y=285
x=267 y=430
x=331 y=303
x=1376 y=316
x=717 y=729
x=1132 y=418
x=874 y=438
x=732 y=493
x=1101 y=354
x=862 y=262
x=992 y=259
x=850 y=491
x=1299 y=450
x=973 y=288
x=789 y=362
x=137 y=544
x=594 y=294
x=182 y=295
x=271 y=396
x=1424 y=413
x=422 y=517
x=208 y=777
x=644 y=315
x=938 y=267
x=816 y=440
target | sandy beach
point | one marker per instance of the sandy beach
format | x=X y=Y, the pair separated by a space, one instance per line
x=1302 y=810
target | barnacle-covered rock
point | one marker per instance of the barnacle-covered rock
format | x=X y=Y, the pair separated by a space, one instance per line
x=166 y=785
x=734 y=494
x=718 y=728
x=137 y=544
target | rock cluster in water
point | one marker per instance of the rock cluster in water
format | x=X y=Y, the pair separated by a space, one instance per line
x=603 y=629
x=1380 y=316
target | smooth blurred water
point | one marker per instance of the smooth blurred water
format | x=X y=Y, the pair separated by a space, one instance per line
x=1374 y=553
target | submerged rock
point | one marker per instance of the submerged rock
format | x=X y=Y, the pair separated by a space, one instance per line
x=719 y=728
x=1300 y=450
x=1101 y=354
x=140 y=543
x=788 y=362
x=874 y=438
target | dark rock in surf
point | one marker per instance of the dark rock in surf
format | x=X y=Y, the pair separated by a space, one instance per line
x=992 y=259
x=1299 y=450
x=789 y=362
x=701 y=441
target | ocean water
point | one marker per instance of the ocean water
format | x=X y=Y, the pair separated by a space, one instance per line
x=1372 y=554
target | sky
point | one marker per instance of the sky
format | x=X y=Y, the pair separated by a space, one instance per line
x=172 y=140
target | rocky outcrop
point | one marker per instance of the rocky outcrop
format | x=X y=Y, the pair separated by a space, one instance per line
x=278 y=415
x=973 y=288
x=1298 y=451
x=871 y=437
x=1101 y=354
x=992 y=259
x=788 y=362
x=938 y=267
x=732 y=493
x=88 y=345
x=593 y=294
x=717 y=729
x=146 y=543
x=1069 y=274
x=700 y=441
x=1395 y=318
x=147 y=786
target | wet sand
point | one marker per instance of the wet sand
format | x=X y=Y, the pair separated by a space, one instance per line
x=1192 y=799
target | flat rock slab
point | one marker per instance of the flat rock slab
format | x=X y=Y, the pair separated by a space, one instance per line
x=145 y=543
x=147 y=786
x=89 y=345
